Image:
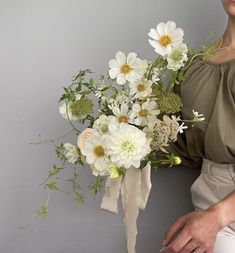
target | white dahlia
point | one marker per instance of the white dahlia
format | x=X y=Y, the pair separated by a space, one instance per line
x=141 y=88
x=127 y=146
x=127 y=68
x=165 y=36
x=145 y=114
x=95 y=152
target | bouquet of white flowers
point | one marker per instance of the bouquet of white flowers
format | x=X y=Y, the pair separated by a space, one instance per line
x=131 y=118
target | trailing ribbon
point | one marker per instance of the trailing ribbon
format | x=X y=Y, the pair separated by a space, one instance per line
x=135 y=187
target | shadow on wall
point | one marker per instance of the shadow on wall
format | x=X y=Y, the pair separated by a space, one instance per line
x=170 y=198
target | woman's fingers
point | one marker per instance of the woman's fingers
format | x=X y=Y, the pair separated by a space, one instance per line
x=178 y=243
x=176 y=227
x=192 y=246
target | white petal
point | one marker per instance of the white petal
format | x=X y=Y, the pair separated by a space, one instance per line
x=161 y=28
x=113 y=73
x=121 y=79
x=178 y=34
x=116 y=111
x=124 y=108
x=155 y=112
x=133 y=76
x=131 y=58
x=114 y=64
x=170 y=26
x=153 y=34
x=168 y=48
x=138 y=121
x=90 y=158
x=153 y=43
x=160 y=50
x=136 y=107
x=121 y=57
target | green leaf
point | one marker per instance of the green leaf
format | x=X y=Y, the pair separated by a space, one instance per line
x=43 y=211
x=55 y=170
x=143 y=163
x=79 y=198
x=97 y=186
x=52 y=185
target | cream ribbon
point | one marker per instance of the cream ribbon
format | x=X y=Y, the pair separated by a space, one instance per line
x=135 y=187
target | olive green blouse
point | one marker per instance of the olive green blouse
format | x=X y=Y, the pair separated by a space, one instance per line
x=209 y=88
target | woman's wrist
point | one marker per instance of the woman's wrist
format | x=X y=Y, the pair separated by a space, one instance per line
x=224 y=210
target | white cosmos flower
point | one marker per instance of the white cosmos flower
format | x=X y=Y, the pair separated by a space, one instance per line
x=70 y=152
x=141 y=88
x=127 y=68
x=165 y=36
x=145 y=114
x=95 y=152
x=177 y=57
x=122 y=114
x=127 y=146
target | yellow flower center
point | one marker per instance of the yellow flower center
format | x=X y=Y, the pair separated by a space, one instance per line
x=126 y=69
x=141 y=87
x=127 y=146
x=99 y=151
x=143 y=112
x=123 y=119
x=165 y=40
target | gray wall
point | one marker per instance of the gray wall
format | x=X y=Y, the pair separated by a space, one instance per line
x=42 y=44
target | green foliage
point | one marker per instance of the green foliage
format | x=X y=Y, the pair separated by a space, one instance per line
x=96 y=186
x=52 y=185
x=43 y=211
x=54 y=171
x=79 y=198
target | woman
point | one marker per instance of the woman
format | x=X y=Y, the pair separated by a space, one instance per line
x=209 y=89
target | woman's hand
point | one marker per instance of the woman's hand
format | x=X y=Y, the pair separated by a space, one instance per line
x=196 y=230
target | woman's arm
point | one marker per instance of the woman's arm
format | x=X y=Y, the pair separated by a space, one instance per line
x=198 y=229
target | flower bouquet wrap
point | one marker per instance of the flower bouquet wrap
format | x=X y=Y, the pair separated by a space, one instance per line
x=132 y=116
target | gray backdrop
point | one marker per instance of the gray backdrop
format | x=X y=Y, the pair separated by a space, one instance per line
x=42 y=45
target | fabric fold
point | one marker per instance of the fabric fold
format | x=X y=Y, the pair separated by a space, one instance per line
x=135 y=187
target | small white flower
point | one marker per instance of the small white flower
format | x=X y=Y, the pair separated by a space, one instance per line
x=103 y=124
x=177 y=57
x=145 y=114
x=96 y=155
x=165 y=36
x=182 y=127
x=70 y=152
x=141 y=88
x=127 y=146
x=198 y=117
x=127 y=68
x=156 y=75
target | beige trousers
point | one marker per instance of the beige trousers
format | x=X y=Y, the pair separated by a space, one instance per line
x=214 y=183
